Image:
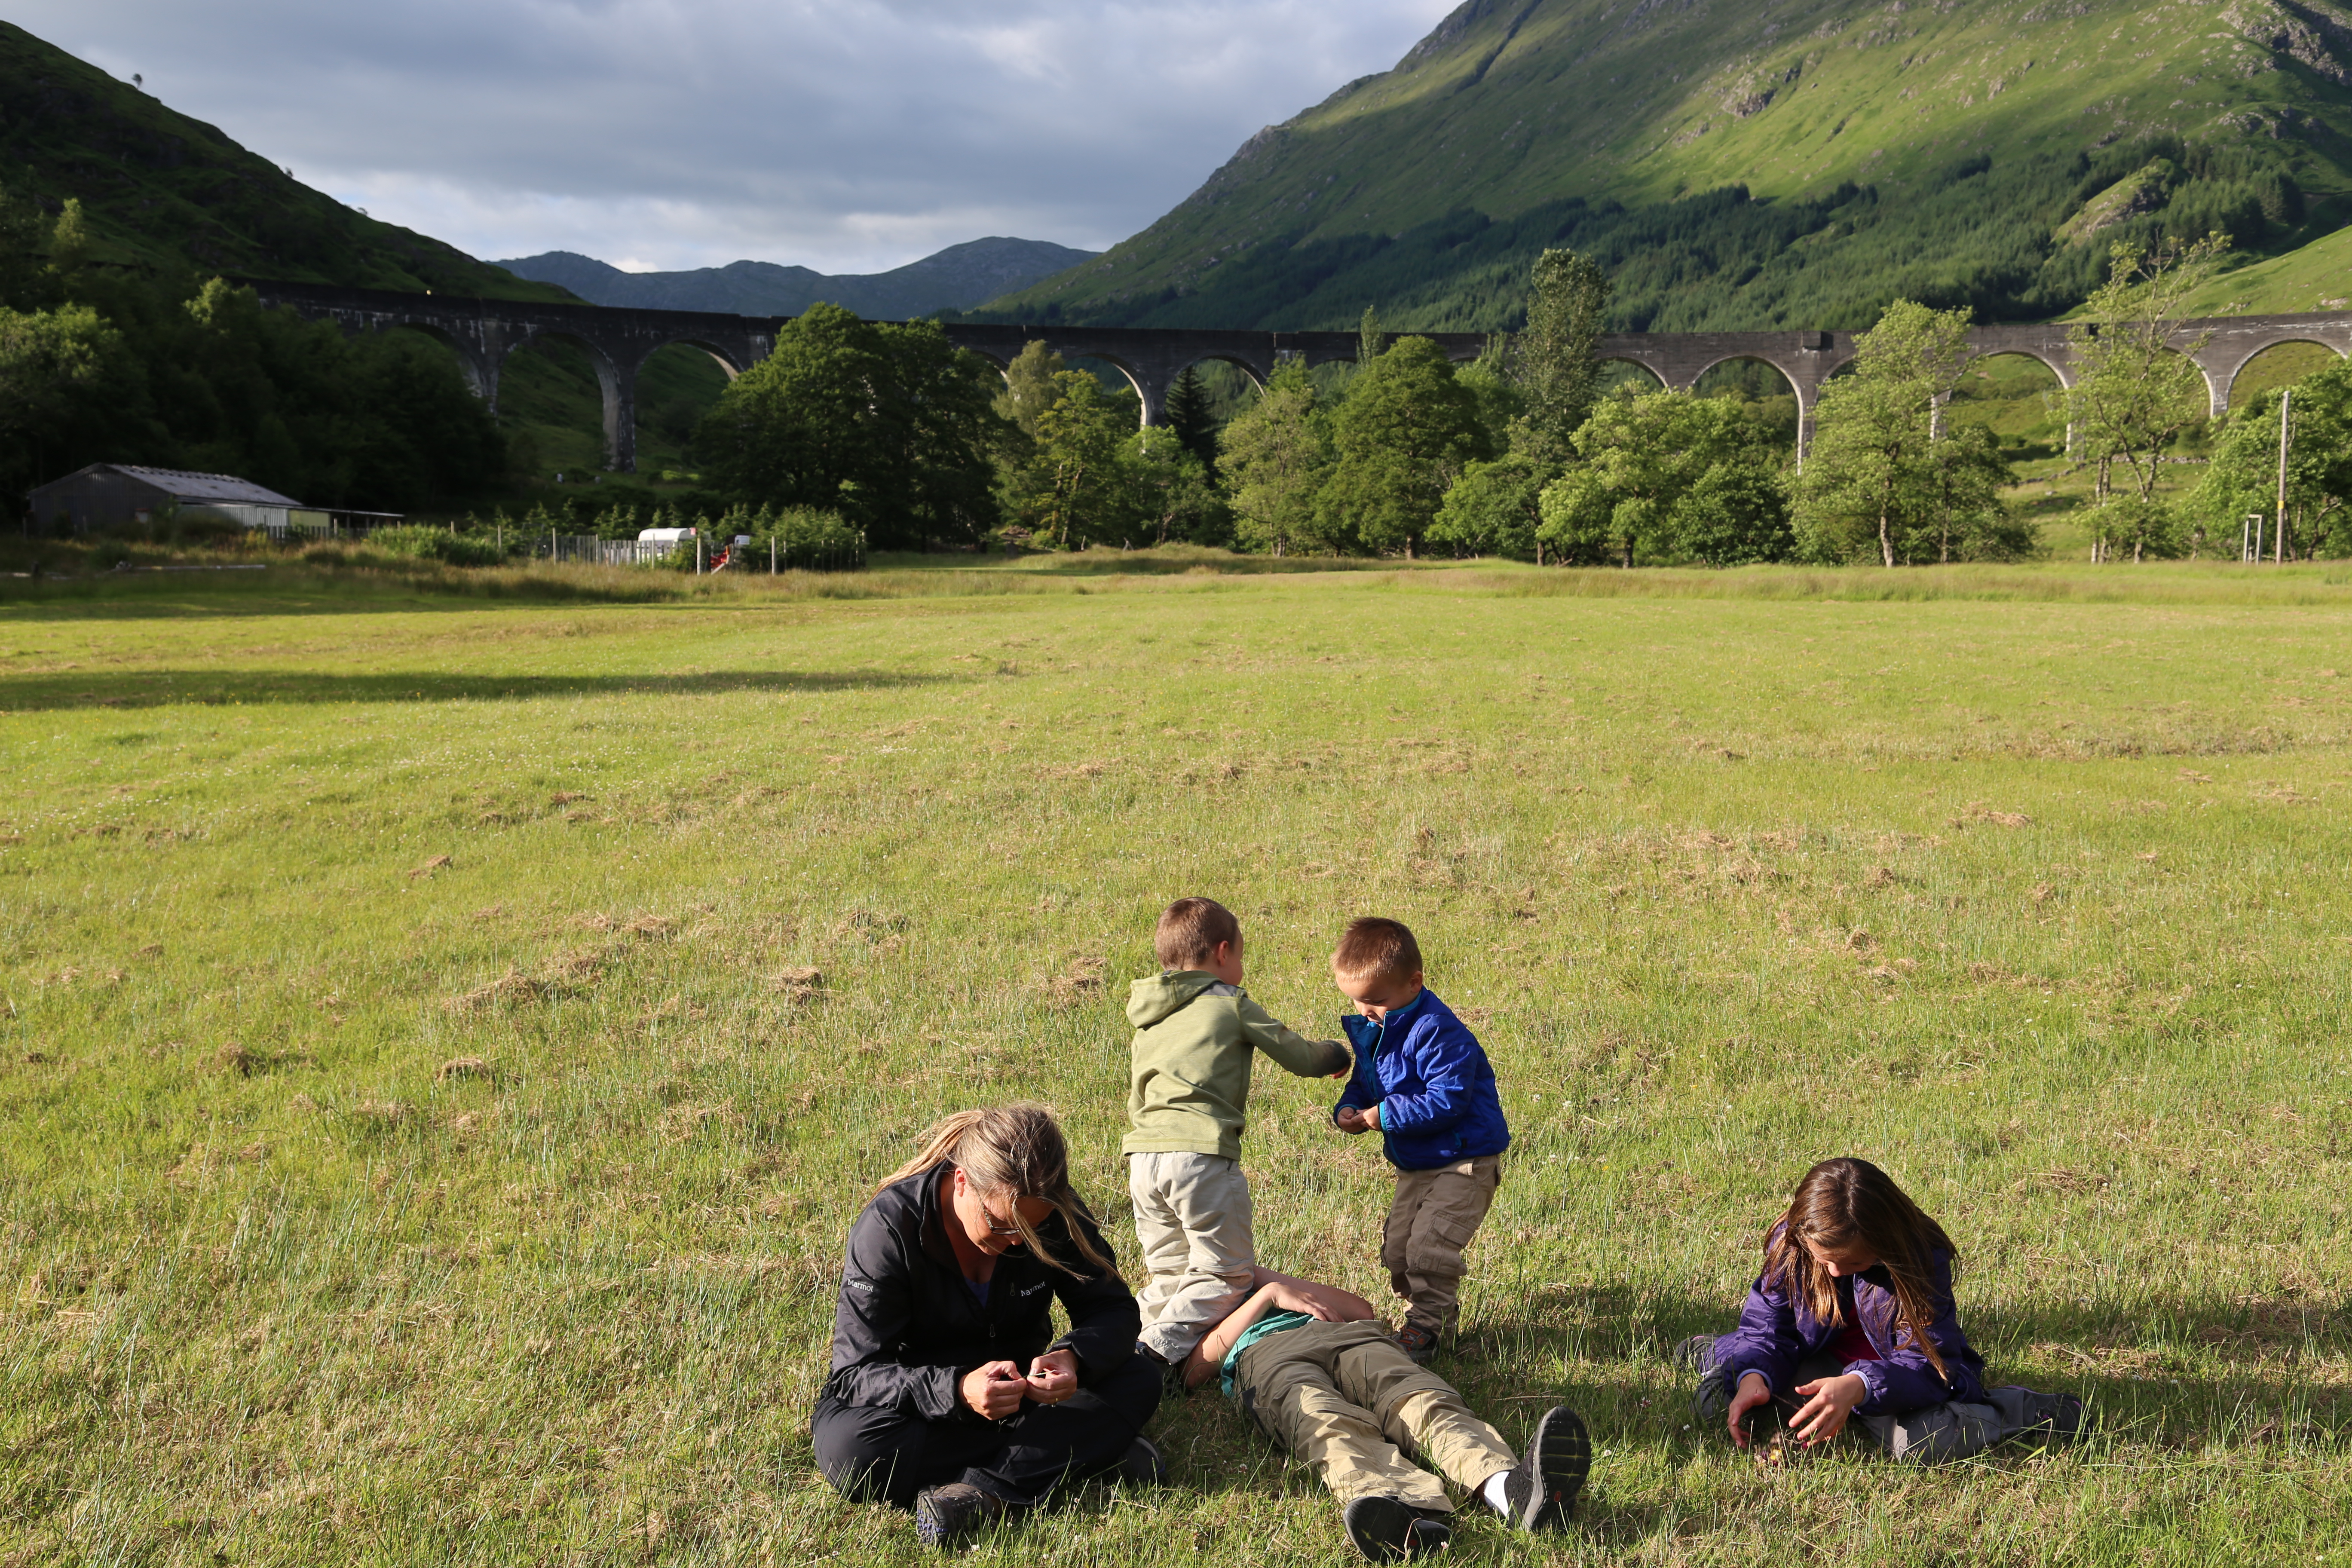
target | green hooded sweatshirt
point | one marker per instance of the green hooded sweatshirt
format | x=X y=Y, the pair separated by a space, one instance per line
x=1190 y=1076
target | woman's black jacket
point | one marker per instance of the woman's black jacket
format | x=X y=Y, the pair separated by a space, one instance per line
x=907 y=1327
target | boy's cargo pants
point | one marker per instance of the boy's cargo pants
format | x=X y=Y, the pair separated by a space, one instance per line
x=1344 y=1399
x=1434 y=1214
x=1193 y=1225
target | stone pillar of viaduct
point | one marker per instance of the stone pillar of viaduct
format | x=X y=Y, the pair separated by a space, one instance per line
x=483 y=332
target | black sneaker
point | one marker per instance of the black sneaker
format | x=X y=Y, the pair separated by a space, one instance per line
x=1142 y=1466
x=1418 y=1343
x=1541 y=1488
x=1388 y=1530
x=947 y=1515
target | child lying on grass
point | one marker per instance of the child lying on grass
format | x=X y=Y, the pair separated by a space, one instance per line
x=1853 y=1316
x=1316 y=1368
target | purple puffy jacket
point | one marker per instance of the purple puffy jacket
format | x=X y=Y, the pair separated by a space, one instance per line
x=1776 y=1331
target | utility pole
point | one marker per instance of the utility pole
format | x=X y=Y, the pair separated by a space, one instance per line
x=2285 y=400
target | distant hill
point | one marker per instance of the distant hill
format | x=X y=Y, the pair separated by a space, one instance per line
x=1747 y=164
x=160 y=188
x=960 y=276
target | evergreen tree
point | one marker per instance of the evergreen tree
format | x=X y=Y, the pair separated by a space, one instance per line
x=1189 y=415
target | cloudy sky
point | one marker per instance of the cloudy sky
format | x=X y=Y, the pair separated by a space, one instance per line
x=847 y=135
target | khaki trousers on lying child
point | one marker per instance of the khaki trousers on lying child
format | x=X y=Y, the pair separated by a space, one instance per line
x=1434 y=1214
x=1192 y=1225
x=1344 y=1398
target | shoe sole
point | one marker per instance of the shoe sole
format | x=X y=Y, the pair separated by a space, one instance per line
x=1563 y=1459
x=1386 y=1531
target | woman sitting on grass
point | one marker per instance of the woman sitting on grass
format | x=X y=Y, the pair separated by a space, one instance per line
x=944 y=1396
x=1853 y=1316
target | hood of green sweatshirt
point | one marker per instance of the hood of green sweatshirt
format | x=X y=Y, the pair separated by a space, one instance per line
x=1150 y=1001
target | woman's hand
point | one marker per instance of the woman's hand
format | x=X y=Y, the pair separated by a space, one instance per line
x=1752 y=1392
x=1822 y=1416
x=995 y=1389
x=1053 y=1377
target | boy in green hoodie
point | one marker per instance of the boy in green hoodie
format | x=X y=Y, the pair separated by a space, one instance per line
x=1195 y=1034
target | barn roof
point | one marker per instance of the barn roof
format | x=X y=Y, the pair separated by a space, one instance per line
x=182 y=484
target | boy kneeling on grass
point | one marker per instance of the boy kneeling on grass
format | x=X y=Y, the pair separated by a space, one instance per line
x=1316 y=1368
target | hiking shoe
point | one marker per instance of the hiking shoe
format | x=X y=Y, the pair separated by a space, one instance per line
x=1142 y=1465
x=947 y=1515
x=1388 y=1530
x=1171 y=1373
x=1696 y=1354
x=1541 y=1488
x=1418 y=1343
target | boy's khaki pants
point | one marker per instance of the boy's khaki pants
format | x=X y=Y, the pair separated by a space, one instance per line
x=1193 y=1223
x=1344 y=1398
x=1434 y=1214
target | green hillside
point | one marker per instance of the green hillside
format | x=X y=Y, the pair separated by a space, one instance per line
x=1757 y=165
x=160 y=189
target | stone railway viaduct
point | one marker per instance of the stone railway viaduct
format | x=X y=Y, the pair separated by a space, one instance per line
x=483 y=332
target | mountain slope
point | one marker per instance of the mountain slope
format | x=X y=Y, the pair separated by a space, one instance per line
x=1745 y=165
x=159 y=188
x=960 y=276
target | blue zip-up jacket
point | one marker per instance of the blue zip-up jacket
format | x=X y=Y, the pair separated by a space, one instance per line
x=1430 y=1076
x=1777 y=1330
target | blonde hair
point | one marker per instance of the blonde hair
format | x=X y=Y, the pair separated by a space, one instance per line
x=1016 y=1149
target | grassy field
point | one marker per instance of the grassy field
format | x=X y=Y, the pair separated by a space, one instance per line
x=421 y=1141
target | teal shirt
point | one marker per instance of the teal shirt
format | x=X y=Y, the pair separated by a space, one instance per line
x=1271 y=1324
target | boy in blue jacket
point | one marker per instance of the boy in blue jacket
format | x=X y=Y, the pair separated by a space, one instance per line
x=1422 y=1080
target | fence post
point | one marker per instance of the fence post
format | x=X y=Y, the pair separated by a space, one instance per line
x=771 y=555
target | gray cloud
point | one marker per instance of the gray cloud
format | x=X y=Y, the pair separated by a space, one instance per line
x=848 y=135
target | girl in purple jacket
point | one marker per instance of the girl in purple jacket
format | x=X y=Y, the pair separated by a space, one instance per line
x=1854 y=1316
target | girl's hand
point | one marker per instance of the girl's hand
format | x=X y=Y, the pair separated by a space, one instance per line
x=1753 y=1391
x=1822 y=1416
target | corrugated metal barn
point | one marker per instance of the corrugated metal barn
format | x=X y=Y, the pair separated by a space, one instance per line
x=119 y=495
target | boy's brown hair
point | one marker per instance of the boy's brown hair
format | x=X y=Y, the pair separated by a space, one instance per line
x=1373 y=948
x=1190 y=931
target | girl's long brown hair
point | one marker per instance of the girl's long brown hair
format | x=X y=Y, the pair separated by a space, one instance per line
x=1016 y=1151
x=1850 y=1206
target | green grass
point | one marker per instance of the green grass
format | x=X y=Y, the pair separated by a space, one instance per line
x=2029 y=884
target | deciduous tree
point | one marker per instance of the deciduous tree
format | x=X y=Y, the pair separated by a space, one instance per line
x=1870 y=484
x=2136 y=389
x=1403 y=435
x=1667 y=477
x=1276 y=454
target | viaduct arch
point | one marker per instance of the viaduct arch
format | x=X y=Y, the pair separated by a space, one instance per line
x=483 y=332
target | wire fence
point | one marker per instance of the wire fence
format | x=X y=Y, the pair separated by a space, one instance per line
x=588 y=549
